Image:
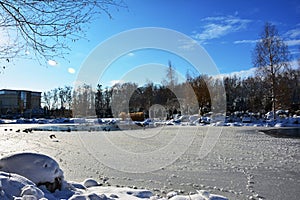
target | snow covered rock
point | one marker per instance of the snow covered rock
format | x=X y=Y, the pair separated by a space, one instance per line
x=140 y=193
x=279 y=125
x=171 y=194
x=90 y=183
x=91 y=196
x=39 y=168
x=32 y=191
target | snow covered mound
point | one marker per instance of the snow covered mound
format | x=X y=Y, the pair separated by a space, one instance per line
x=39 y=168
x=14 y=185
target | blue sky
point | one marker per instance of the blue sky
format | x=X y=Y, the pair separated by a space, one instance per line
x=227 y=30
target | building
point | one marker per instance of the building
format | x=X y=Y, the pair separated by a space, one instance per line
x=19 y=103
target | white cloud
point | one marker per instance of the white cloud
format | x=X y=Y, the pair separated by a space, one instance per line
x=52 y=62
x=242 y=74
x=294 y=33
x=114 y=82
x=294 y=51
x=71 y=70
x=245 y=41
x=292 y=42
x=292 y=37
x=213 y=31
x=216 y=27
x=188 y=44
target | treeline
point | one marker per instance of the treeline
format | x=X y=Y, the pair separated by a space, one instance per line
x=254 y=94
x=58 y=102
x=194 y=96
x=275 y=86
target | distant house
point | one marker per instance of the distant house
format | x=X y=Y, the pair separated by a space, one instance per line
x=14 y=103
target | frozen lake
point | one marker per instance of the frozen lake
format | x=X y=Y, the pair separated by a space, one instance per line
x=243 y=161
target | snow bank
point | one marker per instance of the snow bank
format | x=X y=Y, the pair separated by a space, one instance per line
x=28 y=175
x=111 y=124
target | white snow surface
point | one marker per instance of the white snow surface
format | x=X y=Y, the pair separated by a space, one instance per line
x=30 y=169
x=245 y=164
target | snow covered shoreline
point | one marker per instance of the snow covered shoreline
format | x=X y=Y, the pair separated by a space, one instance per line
x=243 y=164
x=37 y=176
x=30 y=175
x=238 y=119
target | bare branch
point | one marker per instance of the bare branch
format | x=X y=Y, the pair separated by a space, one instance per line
x=46 y=26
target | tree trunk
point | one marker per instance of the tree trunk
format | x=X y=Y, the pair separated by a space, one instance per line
x=273 y=92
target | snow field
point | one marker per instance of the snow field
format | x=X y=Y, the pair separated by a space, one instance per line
x=244 y=164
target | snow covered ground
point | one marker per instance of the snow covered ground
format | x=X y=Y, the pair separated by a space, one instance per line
x=243 y=163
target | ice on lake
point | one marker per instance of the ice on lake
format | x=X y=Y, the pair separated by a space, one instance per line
x=244 y=163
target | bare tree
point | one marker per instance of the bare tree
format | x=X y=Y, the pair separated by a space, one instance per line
x=83 y=101
x=46 y=26
x=171 y=77
x=65 y=96
x=99 y=102
x=271 y=56
x=47 y=97
x=54 y=98
x=69 y=98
